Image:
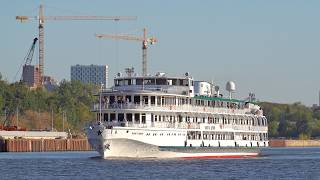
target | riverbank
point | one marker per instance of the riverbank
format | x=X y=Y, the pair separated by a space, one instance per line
x=293 y=143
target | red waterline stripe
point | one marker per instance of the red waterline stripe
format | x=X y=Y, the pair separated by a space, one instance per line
x=217 y=156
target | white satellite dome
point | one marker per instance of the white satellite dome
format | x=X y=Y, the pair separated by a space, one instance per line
x=231 y=86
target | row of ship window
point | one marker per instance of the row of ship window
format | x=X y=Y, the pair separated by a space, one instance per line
x=153 y=81
x=168 y=134
x=140 y=118
x=168 y=101
x=196 y=135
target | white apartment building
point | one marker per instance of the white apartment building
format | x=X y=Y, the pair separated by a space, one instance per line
x=94 y=74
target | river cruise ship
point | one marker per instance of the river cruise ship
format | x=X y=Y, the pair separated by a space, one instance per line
x=159 y=116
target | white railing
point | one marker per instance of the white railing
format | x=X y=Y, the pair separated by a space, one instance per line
x=232 y=127
x=184 y=125
x=244 y=127
x=189 y=108
x=181 y=125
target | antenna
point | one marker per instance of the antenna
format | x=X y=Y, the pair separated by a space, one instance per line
x=100 y=111
x=129 y=71
x=216 y=88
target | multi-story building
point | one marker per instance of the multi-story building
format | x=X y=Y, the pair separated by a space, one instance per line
x=30 y=75
x=94 y=74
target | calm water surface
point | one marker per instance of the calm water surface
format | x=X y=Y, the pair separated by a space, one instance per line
x=276 y=163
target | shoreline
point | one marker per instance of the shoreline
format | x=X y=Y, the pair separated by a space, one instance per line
x=293 y=143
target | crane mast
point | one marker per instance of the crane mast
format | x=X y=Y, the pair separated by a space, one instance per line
x=41 y=44
x=144 y=39
x=41 y=20
x=144 y=53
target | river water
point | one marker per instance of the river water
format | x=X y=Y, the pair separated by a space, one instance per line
x=275 y=163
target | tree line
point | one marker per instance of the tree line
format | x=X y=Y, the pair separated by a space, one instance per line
x=292 y=120
x=69 y=105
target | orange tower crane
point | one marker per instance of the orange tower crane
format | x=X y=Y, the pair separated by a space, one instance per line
x=42 y=18
x=145 y=41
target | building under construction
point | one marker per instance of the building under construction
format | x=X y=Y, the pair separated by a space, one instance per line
x=31 y=75
x=34 y=76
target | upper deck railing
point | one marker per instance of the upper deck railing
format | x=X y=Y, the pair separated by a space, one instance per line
x=195 y=126
x=173 y=108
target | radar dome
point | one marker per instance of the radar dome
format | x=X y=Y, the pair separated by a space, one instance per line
x=231 y=86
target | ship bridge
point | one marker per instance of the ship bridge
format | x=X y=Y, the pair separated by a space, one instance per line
x=159 y=82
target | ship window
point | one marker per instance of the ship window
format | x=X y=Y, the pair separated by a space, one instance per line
x=161 y=81
x=163 y=101
x=120 y=117
x=137 y=117
x=143 y=118
x=116 y=82
x=158 y=100
x=112 y=99
x=129 y=117
x=112 y=116
x=128 y=98
x=127 y=82
x=136 y=99
x=139 y=81
x=185 y=82
x=145 y=99
x=149 y=82
x=181 y=82
x=153 y=100
x=105 y=117
x=175 y=82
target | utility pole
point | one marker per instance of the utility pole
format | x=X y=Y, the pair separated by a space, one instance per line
x=63 y=119
x=51 y=119
x=5 y=115
x=17 y=111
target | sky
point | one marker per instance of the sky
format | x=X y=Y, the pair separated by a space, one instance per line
x=271 y=48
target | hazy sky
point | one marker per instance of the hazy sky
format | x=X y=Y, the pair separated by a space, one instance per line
x=271 y=48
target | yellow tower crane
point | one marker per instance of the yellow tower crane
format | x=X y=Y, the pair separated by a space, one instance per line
x=144 y=39
x=42 y=18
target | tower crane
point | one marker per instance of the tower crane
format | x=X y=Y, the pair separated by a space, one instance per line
x=42 y=18
x=144 y=39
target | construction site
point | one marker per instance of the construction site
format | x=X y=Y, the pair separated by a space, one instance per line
x=41 y=128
